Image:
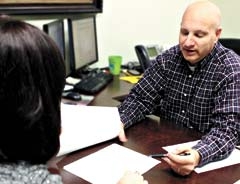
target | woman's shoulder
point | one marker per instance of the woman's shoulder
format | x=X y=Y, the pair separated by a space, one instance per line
x=27 y=173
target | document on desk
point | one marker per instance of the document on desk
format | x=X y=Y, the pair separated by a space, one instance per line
x=131 y=79
x=234 y=158
x=237 y=182
x=83 y=126
x=108 y=165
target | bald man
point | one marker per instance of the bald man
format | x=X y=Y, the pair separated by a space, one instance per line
x=196 y=84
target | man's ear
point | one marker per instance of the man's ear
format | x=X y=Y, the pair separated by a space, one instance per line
x=218 y=33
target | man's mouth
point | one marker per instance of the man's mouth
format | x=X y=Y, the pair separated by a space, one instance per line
x=189 y=52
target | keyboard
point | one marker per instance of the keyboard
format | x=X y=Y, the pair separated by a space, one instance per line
x=93 y=83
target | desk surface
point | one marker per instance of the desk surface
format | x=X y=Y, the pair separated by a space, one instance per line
x=148 y=137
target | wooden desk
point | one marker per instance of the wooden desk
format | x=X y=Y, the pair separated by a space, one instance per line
x=115 y=88
x=149 y=137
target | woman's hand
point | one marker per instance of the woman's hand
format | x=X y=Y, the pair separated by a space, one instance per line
x=132 y=178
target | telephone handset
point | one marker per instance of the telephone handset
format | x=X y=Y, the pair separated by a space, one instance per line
x=146 y=54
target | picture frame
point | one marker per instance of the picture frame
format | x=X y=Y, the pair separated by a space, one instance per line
x=42 y=7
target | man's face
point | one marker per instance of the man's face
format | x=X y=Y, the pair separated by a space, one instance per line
x=197 y=38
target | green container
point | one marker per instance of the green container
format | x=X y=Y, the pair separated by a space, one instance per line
x=115 y=63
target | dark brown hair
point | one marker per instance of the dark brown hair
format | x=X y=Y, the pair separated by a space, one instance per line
x=32 y=77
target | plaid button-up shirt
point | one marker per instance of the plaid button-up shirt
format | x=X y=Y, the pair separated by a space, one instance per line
x=206 y=99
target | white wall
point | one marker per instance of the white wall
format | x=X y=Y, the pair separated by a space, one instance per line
x=230 y=17
x=125 y=23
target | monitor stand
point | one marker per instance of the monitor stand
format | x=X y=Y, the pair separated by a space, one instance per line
x=82 y=73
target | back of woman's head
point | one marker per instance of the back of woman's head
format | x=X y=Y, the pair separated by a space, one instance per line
x=32 y=76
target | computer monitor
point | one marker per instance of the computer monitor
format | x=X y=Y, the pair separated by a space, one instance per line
x=55 y=30
x=82 y=43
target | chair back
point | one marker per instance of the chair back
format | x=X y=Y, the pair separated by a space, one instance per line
x=231 y=43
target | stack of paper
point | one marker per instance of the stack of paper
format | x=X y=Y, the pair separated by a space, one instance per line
x=83 y=126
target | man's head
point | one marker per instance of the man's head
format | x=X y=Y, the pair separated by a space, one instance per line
x=200 y=30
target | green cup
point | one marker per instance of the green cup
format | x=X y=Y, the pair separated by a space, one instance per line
x=115 y=63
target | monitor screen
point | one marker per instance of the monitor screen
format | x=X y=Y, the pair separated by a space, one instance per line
x=82 y=42
x=55 y=30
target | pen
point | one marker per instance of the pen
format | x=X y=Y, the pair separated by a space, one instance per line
x=70 y=103
x=161 y=155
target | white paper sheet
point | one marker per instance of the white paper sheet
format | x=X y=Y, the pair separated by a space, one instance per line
x=83 y=126
x=237 y=182
x=234 y=158
x=108 y=165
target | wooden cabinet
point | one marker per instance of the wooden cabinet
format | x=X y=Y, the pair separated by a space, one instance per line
x=43 y=7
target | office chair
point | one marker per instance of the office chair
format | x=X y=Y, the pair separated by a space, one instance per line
x=231 y=43
x=142 y=56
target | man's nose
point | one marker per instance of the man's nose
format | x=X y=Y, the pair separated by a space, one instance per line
x=189 y=41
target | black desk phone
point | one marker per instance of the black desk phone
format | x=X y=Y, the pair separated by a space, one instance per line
x=146 y=54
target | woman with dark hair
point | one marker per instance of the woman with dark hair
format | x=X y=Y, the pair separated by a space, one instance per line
x=32 y=77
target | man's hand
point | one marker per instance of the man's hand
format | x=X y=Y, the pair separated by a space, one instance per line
x=122 y=137
x=183 y=165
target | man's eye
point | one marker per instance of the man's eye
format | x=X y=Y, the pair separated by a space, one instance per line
x=184 y=33
x=199 y=35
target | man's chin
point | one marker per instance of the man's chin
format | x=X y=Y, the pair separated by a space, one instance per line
x=191 y=59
